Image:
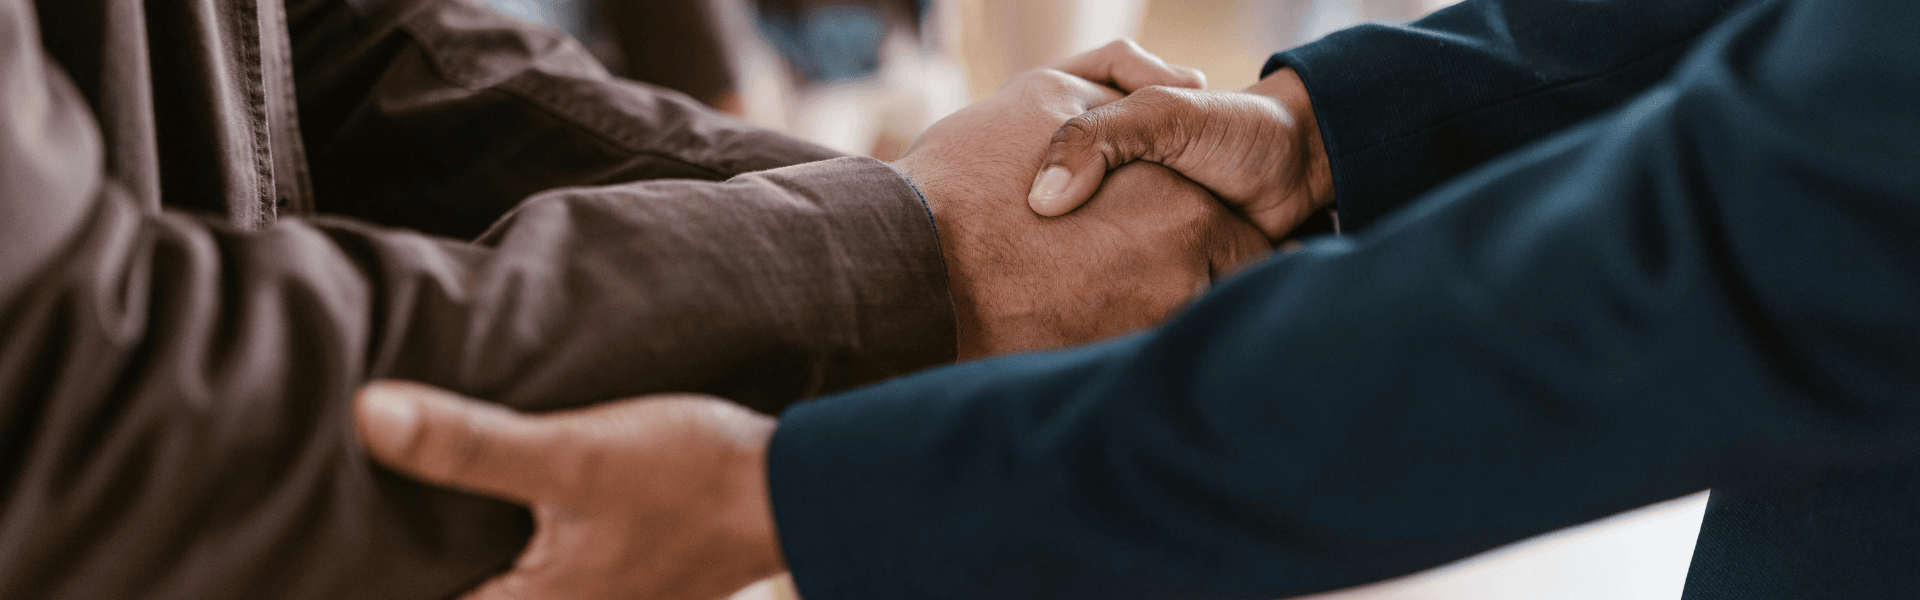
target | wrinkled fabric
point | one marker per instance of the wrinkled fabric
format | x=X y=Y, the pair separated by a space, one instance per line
x=1715 y=284
x=1403 y=108
x=212 y=227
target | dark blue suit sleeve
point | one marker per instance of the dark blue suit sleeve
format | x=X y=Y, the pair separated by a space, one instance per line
x=1403 y=108
x=1718 y=283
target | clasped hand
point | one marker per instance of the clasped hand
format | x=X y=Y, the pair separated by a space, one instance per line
x=665 y=497
x=1259 y=150
x=1148 y=243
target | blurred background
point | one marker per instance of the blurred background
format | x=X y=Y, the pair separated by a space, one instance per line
x=867 y=76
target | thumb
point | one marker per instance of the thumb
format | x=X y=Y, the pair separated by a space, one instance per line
x=1137 y=127
x=447 y=440
x=515 y=584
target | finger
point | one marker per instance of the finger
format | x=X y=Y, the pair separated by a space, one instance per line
x=511 y=585
x=1087 y=146
x=1235 y=246
x=447 y=440
x=1123 y=64
x=1079 y=95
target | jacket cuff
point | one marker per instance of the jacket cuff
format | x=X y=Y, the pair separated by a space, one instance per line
x=1342 y=104
x=892 y=268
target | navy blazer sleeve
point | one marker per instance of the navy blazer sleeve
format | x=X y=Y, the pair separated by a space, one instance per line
x=1718 y=283
x=1403 y=108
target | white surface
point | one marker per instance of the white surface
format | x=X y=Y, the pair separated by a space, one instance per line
x=1641 y=555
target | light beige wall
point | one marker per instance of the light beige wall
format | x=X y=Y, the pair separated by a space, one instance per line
x=996 y=38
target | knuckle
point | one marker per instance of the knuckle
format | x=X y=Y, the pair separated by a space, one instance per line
x=1046 y=85
x=1082 y=130
x=1163 y=102
x=1161 y=96
x=429 y=450
x=458 y=446
x=463 y=450
x=1045 y=78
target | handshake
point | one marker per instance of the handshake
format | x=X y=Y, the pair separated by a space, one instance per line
x=1151 y=239
x=1140 y=190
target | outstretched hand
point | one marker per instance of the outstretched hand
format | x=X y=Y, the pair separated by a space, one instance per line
x=1258 y=150
x=662 y=497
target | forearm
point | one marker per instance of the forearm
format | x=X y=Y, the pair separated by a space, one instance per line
x=178 y=390
x=1402 y=109
x=1714 y=286
x=767 y=288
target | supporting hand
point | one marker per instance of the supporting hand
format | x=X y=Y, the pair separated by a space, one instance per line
x=662 y=497
x=1258 y=150
x=1137 y=253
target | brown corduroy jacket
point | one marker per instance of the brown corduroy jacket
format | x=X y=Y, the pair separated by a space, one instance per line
x=180 y=331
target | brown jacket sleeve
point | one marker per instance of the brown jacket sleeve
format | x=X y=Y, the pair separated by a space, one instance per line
x=440 y=115
x=173 y=391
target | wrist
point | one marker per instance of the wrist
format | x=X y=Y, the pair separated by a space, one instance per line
x=968 y=322
x=1310 y=162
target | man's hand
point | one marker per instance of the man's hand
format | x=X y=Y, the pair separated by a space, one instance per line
x=1258 y=150
x=1147 y=244
x=662 y=497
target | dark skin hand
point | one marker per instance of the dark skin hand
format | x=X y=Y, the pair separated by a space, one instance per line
x=665 y=497
x=1259 y=150
x=1149 y=244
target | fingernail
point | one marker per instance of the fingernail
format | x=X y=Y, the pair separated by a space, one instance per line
x=1050 y=184
x=391 y=409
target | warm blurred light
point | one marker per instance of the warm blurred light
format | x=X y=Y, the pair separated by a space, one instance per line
x=1231 y=39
